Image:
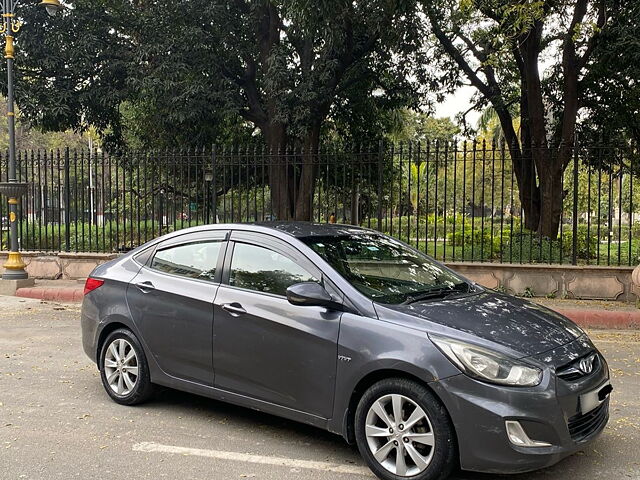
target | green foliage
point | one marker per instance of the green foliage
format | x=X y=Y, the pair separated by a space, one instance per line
x=411 y=126
x=72 y=70
x=528 y=293
x=28 y=138
x=405 y=226
x=109 y=237
x=587 y=245
x=475 y=244
x=169 y=73
x=528 y=247
x=612 y=85
x=499 y=47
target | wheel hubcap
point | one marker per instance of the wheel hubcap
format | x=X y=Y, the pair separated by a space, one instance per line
x=121 y=367
x=399 y=435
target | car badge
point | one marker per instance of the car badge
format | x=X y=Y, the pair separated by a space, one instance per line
x=586 y=364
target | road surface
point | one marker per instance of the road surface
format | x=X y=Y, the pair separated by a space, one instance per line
x=57 y=422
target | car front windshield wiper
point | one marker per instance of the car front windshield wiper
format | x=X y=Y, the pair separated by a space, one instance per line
x=440 y=291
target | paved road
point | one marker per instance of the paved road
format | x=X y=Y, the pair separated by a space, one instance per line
x=56 y=421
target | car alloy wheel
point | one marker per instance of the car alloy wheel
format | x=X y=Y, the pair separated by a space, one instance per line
x=399 y=435
x=121 y=367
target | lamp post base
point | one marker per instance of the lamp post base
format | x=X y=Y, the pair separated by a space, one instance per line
x=14 y=268
x=10 y=287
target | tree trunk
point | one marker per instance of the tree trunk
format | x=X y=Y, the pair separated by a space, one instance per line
x=530 y=194
x=524 y=171
x=551 y=197
x=306 y=189
x=528 y=190
x=307 y=180
x=279 y=177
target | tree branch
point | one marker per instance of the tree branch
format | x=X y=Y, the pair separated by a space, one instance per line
x=592 y=42
x=450 y=48
x=479 y=54
x=570 y=68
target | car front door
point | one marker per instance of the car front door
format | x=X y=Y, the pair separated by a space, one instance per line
x=171 y=301
x=264 y=347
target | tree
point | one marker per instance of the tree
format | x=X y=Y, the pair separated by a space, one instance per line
x=166 y=73
x=498 y=47
x=411 y=126
x=72 y=70
x=612 y=86
x=283 y=67
x=33 y=139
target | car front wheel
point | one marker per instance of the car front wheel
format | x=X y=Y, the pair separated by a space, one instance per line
x=123 y=368
x=403 y=431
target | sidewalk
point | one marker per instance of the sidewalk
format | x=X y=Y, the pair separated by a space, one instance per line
x=586 y=313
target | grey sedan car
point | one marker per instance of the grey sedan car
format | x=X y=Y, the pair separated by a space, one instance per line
x=354 y=332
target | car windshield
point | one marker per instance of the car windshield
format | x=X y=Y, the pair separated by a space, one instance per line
x=386 y=270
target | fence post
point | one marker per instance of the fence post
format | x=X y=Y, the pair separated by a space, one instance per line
x=380 y=174
x=67 y=203
x=574 y=246
x=214 y=200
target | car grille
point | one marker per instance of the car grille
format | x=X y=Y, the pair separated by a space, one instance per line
x=571 y=371
x=583 y=426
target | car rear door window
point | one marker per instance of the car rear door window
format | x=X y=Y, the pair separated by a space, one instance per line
x=193 y=260
x=264 y=270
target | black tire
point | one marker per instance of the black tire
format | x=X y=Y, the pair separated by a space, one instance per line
x=444 y=458
x=143 y=388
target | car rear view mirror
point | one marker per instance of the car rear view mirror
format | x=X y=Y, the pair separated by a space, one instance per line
x=311 y=294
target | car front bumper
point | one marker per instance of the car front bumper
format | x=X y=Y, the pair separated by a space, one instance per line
x=548 y=413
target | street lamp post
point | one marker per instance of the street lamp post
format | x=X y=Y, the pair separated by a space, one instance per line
x=13 y=189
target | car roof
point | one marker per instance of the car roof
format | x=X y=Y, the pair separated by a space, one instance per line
x=293 y=229
x=310 y=229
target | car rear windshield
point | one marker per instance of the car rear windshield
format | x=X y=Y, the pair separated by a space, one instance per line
x=384 y=269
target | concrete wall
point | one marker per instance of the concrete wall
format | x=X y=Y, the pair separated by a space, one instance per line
x=561 y=281
x=53 y=266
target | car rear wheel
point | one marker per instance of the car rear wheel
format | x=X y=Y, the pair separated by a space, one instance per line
x=403 y=431
x=123 y=368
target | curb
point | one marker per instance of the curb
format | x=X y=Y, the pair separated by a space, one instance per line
x=63 y=295
x=611 y=319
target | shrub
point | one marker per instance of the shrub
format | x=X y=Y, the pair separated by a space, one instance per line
x=587 y=245
x=475 y=244
x=83 y=237
x=528 y=247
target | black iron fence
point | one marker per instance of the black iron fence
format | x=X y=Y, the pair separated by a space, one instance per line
x=457 y=202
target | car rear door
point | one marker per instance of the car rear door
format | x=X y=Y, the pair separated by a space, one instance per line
x=264 y=347
x=171 y=302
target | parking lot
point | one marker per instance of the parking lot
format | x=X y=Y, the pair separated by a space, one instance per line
x=57 y=422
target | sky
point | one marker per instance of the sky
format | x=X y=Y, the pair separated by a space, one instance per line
x=456 y=103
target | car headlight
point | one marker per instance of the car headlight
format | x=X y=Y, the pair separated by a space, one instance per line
x=487 y=365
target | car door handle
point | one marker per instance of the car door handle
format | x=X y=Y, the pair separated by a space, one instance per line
x=145 y=287
x=234 y=308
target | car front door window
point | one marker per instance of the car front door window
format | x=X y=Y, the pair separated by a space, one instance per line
x=263 y=270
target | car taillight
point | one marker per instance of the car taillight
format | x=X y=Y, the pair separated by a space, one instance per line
x=92 y=284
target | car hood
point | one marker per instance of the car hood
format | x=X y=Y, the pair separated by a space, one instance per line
x=524 y=327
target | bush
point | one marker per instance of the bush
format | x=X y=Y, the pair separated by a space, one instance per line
x=587 y=245
x=528 y=247
x=83 y=237
x=475 y=244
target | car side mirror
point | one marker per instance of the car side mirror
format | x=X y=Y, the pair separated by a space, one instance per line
x=311 y=294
